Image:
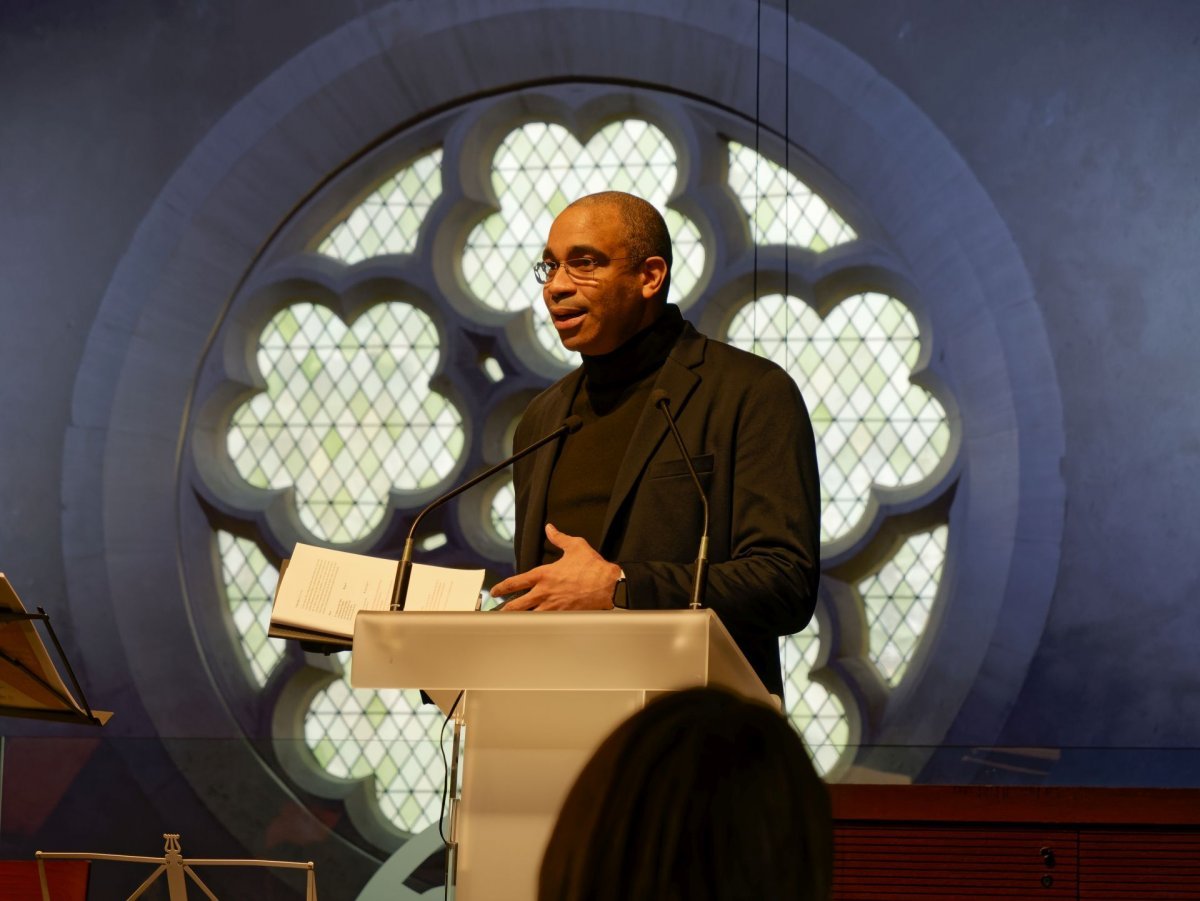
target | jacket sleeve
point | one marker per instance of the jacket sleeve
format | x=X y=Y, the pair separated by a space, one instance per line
x=763 y=579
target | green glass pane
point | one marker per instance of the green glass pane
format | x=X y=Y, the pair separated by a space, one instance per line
x=898 y=600
x=327 y=412
x=873 y=425
x=389 y=220
x=780 y=208
x=816 y=712
x=388 y=734
x=249 y=582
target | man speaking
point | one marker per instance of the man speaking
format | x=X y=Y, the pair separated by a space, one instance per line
x=611 y=516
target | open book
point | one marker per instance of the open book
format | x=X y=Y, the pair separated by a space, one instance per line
x=30 y=684
x=322 y=590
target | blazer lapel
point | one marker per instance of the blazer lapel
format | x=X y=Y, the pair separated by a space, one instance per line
x=678 y=378
x=556 y=410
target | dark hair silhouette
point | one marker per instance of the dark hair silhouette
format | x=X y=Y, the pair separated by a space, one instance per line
x=700 y=795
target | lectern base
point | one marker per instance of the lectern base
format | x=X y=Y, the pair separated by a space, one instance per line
x=524 y=750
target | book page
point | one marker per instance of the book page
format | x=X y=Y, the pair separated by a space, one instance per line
x=443 y=588
x=322 y=589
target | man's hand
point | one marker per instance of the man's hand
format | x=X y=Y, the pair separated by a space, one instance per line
x=579 y=580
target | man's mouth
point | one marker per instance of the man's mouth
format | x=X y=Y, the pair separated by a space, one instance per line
x=567 y=318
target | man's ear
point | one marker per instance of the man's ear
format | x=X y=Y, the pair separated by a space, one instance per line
x=654 y=273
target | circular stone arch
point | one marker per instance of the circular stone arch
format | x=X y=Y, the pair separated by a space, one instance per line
x=135 y=539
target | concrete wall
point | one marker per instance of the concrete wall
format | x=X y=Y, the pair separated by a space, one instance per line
x=1077 y=119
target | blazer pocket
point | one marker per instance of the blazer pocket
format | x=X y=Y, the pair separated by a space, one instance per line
x=669 y=469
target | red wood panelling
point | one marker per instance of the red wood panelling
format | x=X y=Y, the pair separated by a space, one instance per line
x=1139 y=866
x=66 y=879
x=904 y=862
x=1017 y=804
x=979 y=843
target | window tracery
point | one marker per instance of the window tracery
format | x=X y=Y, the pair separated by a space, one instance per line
x=351 y=418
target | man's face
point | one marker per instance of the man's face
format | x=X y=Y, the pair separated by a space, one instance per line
x=601 y=311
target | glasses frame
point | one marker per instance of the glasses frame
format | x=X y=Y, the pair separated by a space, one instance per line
x=545 y=270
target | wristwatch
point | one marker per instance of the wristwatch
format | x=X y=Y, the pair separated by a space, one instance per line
x=620 y=596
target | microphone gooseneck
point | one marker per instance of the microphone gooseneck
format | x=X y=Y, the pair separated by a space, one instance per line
x=569 y=426
x=660 y=399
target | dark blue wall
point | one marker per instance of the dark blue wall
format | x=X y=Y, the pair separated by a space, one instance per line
x=1079 y=120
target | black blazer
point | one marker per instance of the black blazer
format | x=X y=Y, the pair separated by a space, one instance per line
x=744 y=422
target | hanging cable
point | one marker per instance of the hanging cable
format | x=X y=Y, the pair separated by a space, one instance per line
x=446 y=768
x=787 y=171
x=757 y=166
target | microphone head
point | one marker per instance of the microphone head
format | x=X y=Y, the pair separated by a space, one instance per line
x=572 y=424
x=660 y=398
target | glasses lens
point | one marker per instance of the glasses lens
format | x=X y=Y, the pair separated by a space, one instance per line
x=582 y=266
x=543 y=272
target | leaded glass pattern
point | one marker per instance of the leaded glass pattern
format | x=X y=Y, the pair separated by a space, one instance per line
x=538 y=169
x=899 y=599
x=504 y=512
x=347 y=416
x=387 y=222
x=815 y=711
x=387 y=734
x=873 y=426
x=782 y=209
x=250 y=580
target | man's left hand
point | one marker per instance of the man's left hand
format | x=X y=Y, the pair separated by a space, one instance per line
x=579 y=580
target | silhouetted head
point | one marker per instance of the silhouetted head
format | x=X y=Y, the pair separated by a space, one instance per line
x=700 y=796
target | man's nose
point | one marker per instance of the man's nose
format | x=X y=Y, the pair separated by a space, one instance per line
x=566 y=283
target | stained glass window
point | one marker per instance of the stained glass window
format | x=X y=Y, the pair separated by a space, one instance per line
x=782 y=209
x=816 y=712
x=388 y=220
x=348 y=414
x=387 y=734
x=250 y=581
x=873 y=426
x=351 y=412
x=899 y=599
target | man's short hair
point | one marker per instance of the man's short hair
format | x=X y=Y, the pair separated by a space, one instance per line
x=645 y=229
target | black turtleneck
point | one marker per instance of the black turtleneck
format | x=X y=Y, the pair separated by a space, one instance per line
x=612 y=394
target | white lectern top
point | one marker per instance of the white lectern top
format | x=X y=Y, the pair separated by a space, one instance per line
x=644 y=650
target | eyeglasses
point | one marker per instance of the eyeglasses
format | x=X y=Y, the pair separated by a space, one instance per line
x=579 y=270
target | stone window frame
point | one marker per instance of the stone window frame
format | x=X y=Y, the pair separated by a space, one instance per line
x=429 y=278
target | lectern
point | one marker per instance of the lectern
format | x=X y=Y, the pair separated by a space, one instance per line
x=541 y=691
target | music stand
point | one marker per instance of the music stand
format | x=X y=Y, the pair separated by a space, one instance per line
x=30 y=684
x=176 y=867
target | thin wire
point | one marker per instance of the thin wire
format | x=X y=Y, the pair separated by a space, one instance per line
x=445 y=786
x=757 y=165
x=787 y=170
x=787 y=138
x=445 y=767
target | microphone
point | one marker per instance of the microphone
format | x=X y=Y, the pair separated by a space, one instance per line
x=660 y=399
x=569 y=426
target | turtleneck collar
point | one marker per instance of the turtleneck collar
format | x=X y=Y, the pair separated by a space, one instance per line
x=640 y=355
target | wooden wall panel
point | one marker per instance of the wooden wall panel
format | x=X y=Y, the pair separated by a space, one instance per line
x=985 y=843
x=1139 y=866
x=902 y=862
